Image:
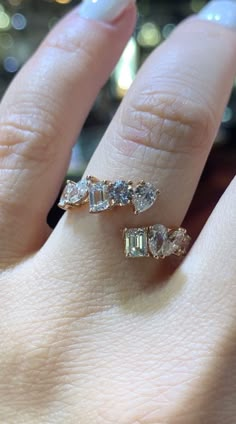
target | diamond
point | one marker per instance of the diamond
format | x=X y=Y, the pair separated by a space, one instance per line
x=82 y=192
x=120 y=193
x=136 y=243
x=180 y=241
x=99 y=197
x=74 y=194
x=144 y=197
x=158 y=242
x=69 y=190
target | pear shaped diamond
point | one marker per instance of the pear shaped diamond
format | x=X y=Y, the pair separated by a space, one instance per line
x=82 y=192
x=74 y=194
x=144 y=197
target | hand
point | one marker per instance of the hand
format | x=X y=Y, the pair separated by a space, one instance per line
x=87 y=336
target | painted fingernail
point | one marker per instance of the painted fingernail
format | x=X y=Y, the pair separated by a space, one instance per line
x=222 y=12
x=103 y=10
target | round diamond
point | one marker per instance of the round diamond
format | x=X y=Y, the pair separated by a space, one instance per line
x=144 y=197
x=120 y=193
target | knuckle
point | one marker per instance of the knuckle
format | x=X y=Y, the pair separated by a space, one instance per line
x=27 y=138
x=167 y=122
x=69 y=44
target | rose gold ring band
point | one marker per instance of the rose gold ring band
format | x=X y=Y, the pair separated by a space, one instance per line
x=155 y=241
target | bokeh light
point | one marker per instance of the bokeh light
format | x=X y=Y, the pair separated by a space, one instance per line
x=18 y=21
x=149 y=35
x=5 y=21
x=11 y=64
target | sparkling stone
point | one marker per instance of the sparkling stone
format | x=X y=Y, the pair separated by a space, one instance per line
x=99 y=197
x=145 y=195
x=74 y=193
x=180 y=241
x=159 y=244
x=69 y=190
x=120 y=193
x=82 y=192
x=136 y=243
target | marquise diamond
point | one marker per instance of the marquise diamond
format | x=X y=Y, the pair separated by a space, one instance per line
x=144 y=197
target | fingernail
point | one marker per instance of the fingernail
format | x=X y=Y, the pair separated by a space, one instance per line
x=103 y=10
x=221 y=11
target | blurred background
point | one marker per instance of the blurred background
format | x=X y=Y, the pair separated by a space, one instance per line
x=24 y=23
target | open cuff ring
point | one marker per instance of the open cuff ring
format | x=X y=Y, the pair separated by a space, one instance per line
x=156 y=241
x=105 y=195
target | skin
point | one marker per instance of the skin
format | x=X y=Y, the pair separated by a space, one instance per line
x=88 y=336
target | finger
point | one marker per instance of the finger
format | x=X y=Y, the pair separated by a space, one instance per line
x=166 y=126
x=202 y=335
x=215 y=251
x=43 y=111
x=162 y=133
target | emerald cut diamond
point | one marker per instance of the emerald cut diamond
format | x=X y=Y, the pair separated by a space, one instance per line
x=136 y=243
x=99 y=197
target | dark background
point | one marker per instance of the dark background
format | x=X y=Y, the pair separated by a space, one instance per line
x=24 y=23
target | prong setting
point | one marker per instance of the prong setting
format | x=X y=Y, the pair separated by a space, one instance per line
x=162 y=242
x=104 y=195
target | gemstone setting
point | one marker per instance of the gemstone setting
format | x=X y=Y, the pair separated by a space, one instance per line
x=99 y=200
x=158 y=241
x=163 y=242
x=136 y=243
x=74 y=194
x=180 y=241
x=120 y=193
x=144 y=197
x=105 y=195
